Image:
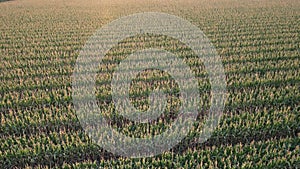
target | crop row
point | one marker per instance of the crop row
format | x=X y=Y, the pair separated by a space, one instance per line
x=63 y=68
x=282 y=152
x=229 y=69
x=246 y=126
x=243 y=29
x=22 y=104
x=56 y=92
x=50 y=46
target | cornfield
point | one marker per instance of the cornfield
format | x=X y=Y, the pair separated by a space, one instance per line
x=259 y=45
